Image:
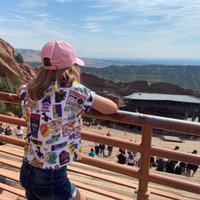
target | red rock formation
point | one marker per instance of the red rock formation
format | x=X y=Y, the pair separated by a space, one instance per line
x=9 y=67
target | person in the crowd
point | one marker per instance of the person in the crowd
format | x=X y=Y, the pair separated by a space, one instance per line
x=2 y=131
x=176 y=148
x=170 y=165
x=152 y=161
x=53 y=103
x=110 y=147
x=96 y=147
x=191 y=169
x=131 y=160
x=183 y=167
x=19 y=132
x=8 y=131
x=92 y=153
x=160 y=164
x=122 y=157
x=102 y=150
x=178 y=169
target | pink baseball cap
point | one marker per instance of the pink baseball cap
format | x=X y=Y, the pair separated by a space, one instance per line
x=58 y=54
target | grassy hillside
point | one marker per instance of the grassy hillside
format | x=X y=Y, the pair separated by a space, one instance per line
x=184 y=76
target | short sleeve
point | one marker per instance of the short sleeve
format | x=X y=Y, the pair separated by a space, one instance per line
x=89 y=100
x=85 y=96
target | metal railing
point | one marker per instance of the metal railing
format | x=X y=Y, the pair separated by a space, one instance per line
x=145 y=148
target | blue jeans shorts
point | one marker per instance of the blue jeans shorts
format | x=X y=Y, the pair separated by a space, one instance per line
x=46 y=184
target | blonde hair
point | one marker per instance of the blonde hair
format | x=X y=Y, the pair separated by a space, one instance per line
x=38 y=86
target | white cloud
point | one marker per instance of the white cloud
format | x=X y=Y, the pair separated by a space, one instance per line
x=64 y=1
x=19 y=17
x=42 y=15
x=28 y=4
x=101 y=18
x=16 y=33
x=93 y=27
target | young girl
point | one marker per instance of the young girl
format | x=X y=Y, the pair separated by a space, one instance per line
x=52 y=105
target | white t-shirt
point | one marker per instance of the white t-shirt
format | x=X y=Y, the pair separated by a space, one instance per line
x=53 y=139
x=19 y=132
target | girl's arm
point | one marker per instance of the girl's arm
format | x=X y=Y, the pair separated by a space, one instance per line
x=104 y=105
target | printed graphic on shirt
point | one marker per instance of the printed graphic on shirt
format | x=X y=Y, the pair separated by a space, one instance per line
x=80 y=89
x=46 y=103
x=90 y=98
x=54 y=138
x=39 y=153
x=72 y=136
x=26 y=114
x=45 y=117
x=77 y=132
x=71 y=116
x=44 y=129
x=57 y=111
x=26 y=148
x=64 y=157
x=34 y=106
x=68 y=128
x=76 y=99
x=71 y=148
x=60 y=96
x=35 y=124
x=36 y=142
x=58 y=146
x=78 y=153
x=69 y=108
x=36 y=163
x=55 y=126
x=51 y=157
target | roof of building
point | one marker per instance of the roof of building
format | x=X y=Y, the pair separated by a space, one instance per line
x=163 y=97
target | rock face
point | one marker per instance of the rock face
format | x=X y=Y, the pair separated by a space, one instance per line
x=123 y=89
x=10 y=68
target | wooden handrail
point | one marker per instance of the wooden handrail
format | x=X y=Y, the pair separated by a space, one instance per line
x=148 y=123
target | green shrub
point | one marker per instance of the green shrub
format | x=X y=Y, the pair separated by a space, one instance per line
x=19 y=58
x=10 y=86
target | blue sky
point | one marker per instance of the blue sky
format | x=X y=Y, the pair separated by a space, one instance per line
x=106 y=28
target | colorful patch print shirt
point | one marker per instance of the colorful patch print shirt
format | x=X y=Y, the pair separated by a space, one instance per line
x=53 y=139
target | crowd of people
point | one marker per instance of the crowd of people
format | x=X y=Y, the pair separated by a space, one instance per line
x=100 y=149
x=160 y=164
x=7 y=130
x=176 y=167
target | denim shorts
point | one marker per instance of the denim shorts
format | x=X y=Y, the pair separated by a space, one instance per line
x=46 y=184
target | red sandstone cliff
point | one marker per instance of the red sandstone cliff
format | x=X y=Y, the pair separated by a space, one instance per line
x=9 y=67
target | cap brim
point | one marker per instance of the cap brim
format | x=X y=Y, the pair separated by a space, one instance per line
x=80 y=62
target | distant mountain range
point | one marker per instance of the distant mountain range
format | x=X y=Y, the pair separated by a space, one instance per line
x=184 y=73
x=33 y=56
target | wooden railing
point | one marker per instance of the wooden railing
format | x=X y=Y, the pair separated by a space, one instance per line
x=145 y=148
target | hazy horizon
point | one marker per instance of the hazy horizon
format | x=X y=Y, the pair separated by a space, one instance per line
x=120 y=60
